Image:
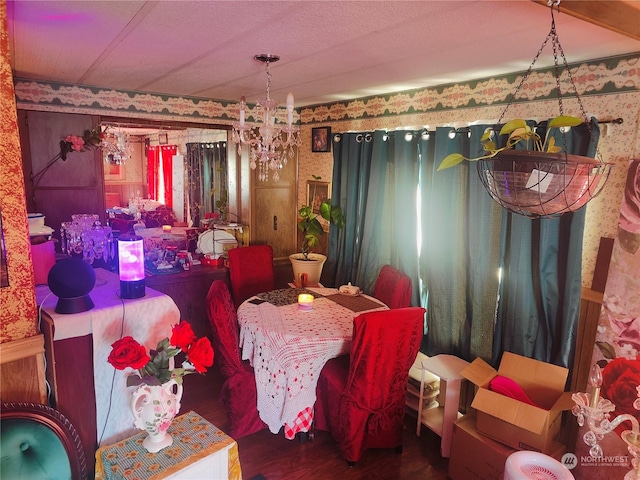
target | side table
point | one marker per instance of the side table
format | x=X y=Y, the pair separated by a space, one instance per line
x=199 y=450
x=440 y=419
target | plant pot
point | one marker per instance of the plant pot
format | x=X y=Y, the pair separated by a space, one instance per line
x=536 y=184
x=306 y=273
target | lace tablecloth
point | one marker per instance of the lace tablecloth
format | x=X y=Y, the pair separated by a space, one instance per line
x=288 y=348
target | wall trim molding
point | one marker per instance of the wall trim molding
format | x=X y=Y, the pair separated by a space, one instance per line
x=594 y=77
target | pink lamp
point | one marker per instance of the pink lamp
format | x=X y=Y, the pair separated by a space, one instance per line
x=131 y=266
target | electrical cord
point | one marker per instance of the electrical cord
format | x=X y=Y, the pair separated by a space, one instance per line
x=50 y=400
x=113 y=376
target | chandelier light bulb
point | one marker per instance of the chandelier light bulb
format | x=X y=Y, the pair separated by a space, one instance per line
x=595 y=380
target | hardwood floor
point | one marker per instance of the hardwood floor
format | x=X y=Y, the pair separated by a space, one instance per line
x=276 y=458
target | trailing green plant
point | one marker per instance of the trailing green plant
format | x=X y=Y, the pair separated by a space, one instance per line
x=518 y=131
x=311 y=227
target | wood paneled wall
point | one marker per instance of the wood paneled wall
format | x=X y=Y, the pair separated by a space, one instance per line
x=22 y=377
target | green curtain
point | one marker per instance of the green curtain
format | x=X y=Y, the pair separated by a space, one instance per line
x=375 y=180
x=352 y=157
x=459 y=259
x=207 y=178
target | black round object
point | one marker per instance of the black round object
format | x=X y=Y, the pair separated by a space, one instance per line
x=71 y=279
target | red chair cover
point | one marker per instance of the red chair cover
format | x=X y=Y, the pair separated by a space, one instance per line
x=393 y=288
x=238 y=393
x=251 y=271
x=361 y=398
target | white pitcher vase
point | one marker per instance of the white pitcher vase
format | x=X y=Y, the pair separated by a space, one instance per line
x=154 y=407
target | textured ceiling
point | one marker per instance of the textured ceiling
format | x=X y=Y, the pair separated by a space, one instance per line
x=330 y=50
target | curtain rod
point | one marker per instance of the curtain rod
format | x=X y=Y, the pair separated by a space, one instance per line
x=617 y=121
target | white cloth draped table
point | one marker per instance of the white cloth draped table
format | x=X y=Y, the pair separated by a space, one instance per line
x=148 y=320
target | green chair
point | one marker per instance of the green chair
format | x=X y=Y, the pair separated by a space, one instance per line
x=37 y=442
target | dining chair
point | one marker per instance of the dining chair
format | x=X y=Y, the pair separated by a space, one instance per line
x=251 y=271
x=393 y=288
x=361 y=397
x=238 y=393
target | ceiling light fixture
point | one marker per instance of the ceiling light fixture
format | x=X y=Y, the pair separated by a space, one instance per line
x=271 y=144
x=116 y=148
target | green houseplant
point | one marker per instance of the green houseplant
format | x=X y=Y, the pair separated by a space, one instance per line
x=518 y=131
x=538 y=179
x=307 y=266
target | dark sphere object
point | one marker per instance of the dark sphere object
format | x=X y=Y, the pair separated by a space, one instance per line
x=71 y=279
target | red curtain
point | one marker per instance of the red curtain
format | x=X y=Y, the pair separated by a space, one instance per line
x=152 y=168
x=155 y=155
x=168 y=151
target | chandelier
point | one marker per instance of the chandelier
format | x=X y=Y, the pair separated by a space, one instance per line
x=115 y=147
x=271 y=144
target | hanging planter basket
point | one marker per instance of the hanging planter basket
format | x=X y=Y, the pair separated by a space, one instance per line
x=537 y=184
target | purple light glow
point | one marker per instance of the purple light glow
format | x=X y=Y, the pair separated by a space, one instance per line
x=131 y=260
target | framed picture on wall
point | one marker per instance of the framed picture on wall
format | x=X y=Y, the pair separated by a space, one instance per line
x=317 y=192
x=113 y=172
x=163 y=139
x=320 y=139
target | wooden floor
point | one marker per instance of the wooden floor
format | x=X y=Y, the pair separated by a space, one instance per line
x=276 y=458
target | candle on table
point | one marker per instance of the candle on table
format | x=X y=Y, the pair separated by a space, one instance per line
x=305 y=301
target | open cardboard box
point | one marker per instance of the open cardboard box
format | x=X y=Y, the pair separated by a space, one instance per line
x=477 y=457
x=514 y=423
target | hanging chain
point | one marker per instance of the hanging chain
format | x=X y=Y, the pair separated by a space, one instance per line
x=268 y=80
x=557 y=48
x=526 y=74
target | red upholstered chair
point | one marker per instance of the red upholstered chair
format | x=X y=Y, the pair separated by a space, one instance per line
x=251 y=271
x=393 y=288
x=238 y=393
x=361 y=398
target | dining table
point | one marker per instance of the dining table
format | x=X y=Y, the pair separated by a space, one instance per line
x=288 y=344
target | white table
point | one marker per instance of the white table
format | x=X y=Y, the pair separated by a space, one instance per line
x=288 y=348
x=148 y=320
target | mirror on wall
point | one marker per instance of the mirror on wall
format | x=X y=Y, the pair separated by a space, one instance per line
x=181 y=166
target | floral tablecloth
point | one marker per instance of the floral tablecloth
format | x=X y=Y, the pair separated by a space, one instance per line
x=288 y=348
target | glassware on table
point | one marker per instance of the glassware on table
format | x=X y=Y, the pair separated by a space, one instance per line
x=84 y=236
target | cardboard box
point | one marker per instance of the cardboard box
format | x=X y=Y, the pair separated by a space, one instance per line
x=474 y=456
x=477 y=457
x=514 y=423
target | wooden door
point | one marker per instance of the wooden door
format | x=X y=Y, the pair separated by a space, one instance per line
x=273 y=212
x=66 y=187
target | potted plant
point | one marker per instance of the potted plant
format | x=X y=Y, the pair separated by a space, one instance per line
x=539 y=180
x=307 y=266
x=518 y=130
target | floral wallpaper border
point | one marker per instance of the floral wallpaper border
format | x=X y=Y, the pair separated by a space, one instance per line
x=610 y=75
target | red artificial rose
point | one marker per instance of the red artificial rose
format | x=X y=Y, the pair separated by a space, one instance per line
x=182 y=336
x=126 y=352
x=620 y=377
x=200 y=354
